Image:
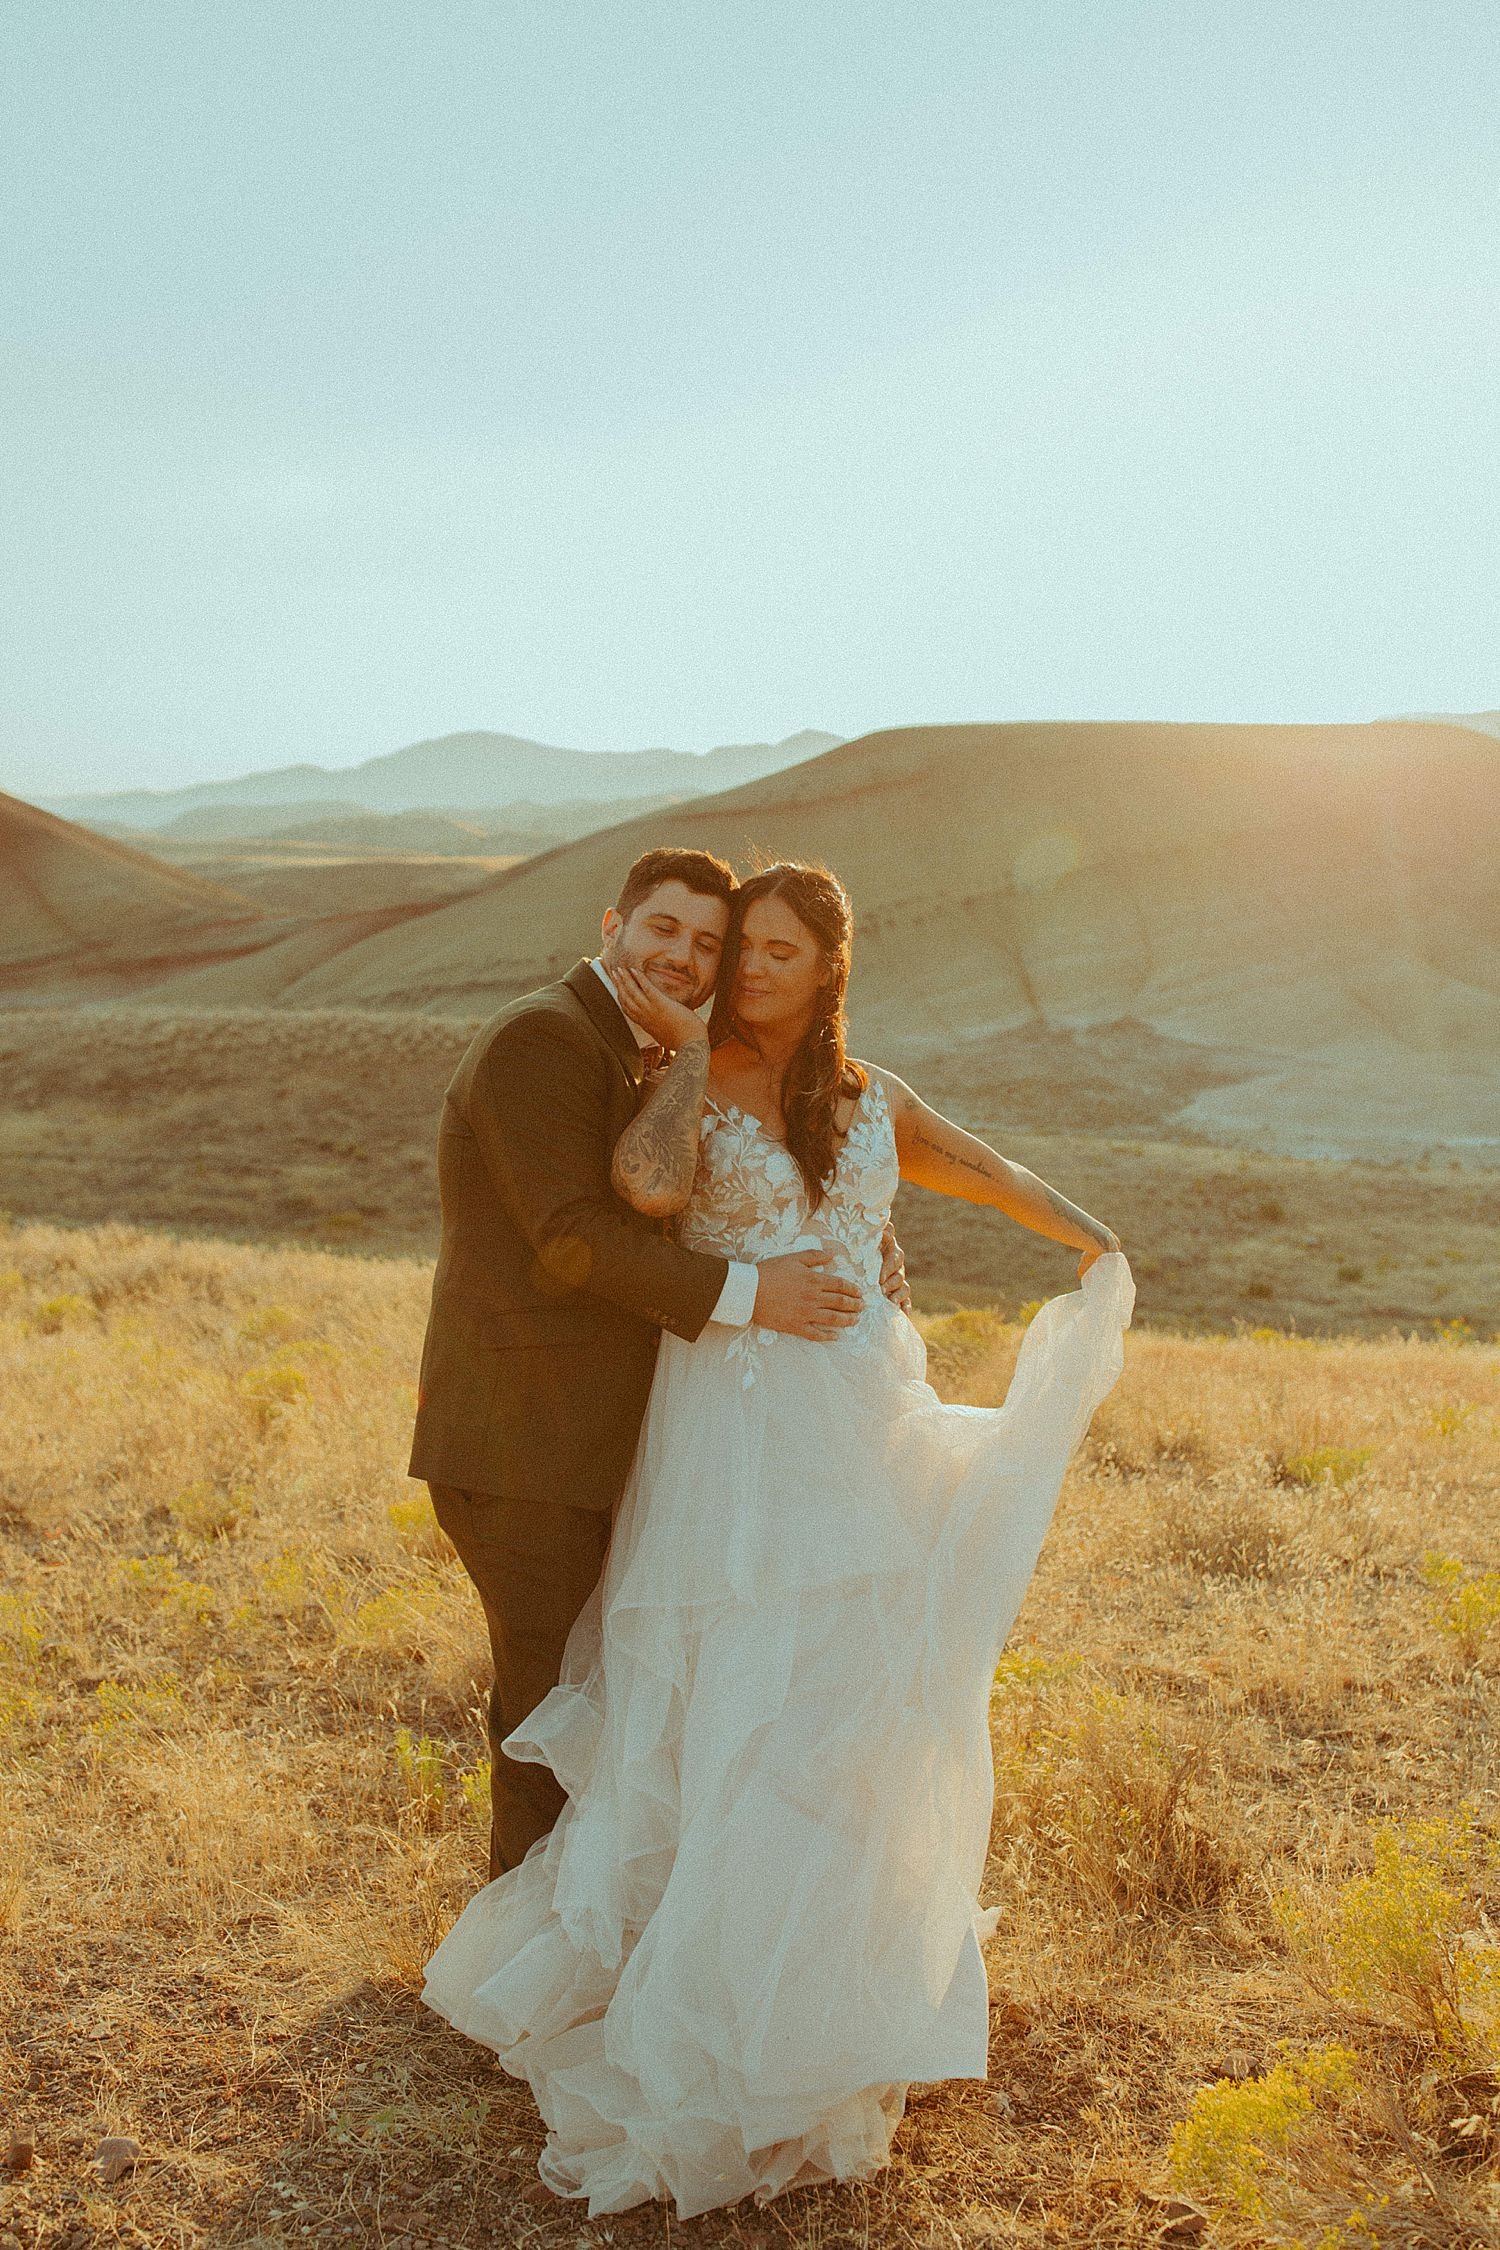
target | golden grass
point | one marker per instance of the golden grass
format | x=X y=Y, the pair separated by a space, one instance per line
x=1244 y=1840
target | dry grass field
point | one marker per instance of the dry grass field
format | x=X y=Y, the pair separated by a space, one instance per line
x=1246 y=1983
x=320 y=1128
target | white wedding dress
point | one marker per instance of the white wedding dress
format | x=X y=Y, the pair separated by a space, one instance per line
x=756 y=1919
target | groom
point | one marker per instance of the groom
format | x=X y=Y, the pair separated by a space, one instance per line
x=550 y=1295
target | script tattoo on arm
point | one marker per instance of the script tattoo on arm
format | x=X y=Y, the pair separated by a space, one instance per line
x=656 y=1156
x=984 y=1167
x=940 y=1155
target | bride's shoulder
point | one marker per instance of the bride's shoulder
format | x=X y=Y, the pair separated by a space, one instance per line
x=899 y=1097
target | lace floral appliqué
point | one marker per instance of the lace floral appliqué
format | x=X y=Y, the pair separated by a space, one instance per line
x=749 y=1203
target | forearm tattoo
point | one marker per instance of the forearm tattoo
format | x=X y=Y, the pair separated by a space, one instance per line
x=1103 y=1236
x=656 y=1156
x=981 y=1166
x=996 y=1172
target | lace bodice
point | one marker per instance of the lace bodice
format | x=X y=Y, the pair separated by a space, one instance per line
x=749 y=1201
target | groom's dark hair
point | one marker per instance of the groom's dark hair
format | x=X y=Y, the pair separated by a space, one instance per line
x=700 y=871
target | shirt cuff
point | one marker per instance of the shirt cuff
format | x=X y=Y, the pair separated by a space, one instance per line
x=737 y=1297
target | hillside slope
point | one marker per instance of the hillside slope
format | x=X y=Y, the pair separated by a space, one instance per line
x=76 y=905
x=1308 y=916
x=1073 y=874
x=1324 y=899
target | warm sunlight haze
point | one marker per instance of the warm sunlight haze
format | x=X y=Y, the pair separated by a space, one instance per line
x=750 y=1127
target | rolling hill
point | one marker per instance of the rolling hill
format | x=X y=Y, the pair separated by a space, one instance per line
x=84 y=917
x=1323 y=901
x=1072 y=873
x=463 y=773
x=80 y=910
x=1296 y=928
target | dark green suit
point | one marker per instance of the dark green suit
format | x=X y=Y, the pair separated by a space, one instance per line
x=547 y=1306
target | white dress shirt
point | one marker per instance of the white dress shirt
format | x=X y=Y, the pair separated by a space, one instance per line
x=737 y=1297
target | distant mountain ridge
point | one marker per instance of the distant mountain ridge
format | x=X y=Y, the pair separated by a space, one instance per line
x=1482 y=722
x=462 y=773
x=522 y=826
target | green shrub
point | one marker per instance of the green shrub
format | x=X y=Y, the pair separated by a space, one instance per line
x=1323 y=1464
x=1024 y=1671
x=1400 y=1943
x=418 y=1529
x=182 y=1607
x=1465 y=1604
x=424 y=1787
x=958 y=1342
x=203 y=1512
x=22 y=1630
x=398 y=1622
x=272 y=1390
x=141 y=1706
x=54 y=1314
x=271 y=1324
x=475 y=1784
x=294 y=1589
x=1236 y=2149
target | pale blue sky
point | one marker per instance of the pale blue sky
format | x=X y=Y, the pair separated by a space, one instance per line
x=626 y=373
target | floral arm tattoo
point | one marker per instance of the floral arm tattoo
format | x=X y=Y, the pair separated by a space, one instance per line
x=656 y=1157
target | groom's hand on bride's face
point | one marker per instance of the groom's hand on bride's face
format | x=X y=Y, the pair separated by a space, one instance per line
x=671 y=1023
x=798 y=1296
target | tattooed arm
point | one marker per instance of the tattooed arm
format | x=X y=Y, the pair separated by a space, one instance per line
x=657 y=1154
x=940 y=1155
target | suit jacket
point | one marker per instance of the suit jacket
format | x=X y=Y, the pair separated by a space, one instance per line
x=550 y=1293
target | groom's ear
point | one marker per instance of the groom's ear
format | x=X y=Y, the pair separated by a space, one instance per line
x=612 y=921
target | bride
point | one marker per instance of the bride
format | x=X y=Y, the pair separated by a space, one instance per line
x=756 y=1920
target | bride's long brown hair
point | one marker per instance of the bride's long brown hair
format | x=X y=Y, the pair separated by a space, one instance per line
x=819 y=1074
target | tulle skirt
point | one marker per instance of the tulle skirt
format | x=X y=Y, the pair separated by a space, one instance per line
x=756 y=1921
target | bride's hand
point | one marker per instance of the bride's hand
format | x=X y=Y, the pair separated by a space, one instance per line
x=668 y=1022
x=1091 y=1257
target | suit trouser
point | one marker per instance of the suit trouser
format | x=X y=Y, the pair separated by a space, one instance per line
x=534 y=1566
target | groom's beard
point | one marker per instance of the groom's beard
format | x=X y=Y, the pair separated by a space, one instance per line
x=687 y=994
